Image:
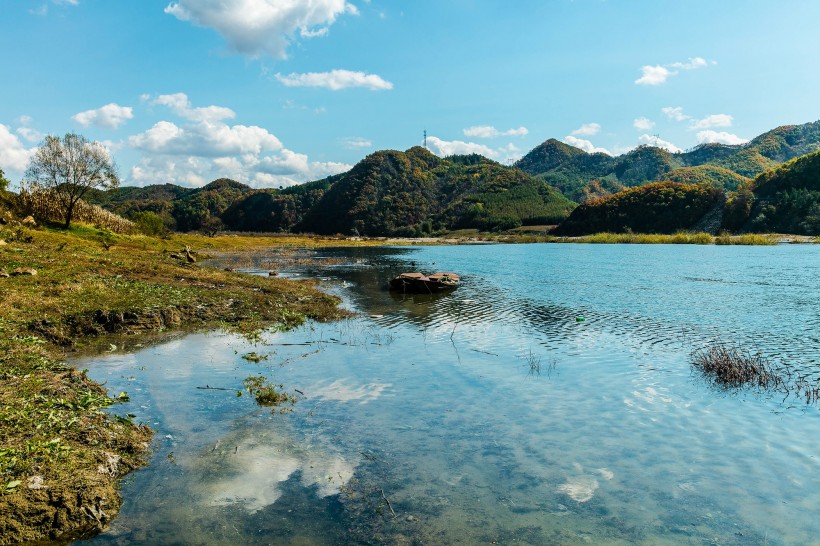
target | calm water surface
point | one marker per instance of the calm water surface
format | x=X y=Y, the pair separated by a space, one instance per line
x=436 y=404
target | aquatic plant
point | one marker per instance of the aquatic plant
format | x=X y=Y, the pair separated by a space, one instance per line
x=267 y=394
x=732 y=367
x=534 y=362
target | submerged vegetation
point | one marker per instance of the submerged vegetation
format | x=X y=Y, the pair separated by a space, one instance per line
x=731 y=368
x=269 y=394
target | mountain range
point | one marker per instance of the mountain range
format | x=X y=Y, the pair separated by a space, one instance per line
x=768 y=183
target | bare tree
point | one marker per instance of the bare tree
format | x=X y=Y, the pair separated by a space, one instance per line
x=68 y=167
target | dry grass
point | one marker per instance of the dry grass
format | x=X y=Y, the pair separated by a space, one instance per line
x=46 y=208
x=729 y=367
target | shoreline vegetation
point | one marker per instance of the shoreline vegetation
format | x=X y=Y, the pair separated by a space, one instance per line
x=61 y=455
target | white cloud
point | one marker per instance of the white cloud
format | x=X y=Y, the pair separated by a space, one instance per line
x=658 y=74
x=205 y=139
x=336 y=80
x=643 y=124
x=181 y=106
x=172 y=170
x=488 y=131
x=262 y=27
x=355 y=143
x=691 y=64
x=585 y=145
x=675 y=113
x=587 y=129
x=653 y=75
x=207 y=148
x=459 y=147
x=714 y=120
x=656 y=141
x=721 y=137
x=31 y=135
x=14 y=156
x=110 y=116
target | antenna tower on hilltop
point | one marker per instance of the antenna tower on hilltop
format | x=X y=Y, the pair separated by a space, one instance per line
x=425 y=139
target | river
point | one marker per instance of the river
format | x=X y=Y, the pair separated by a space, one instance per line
x=550 y=399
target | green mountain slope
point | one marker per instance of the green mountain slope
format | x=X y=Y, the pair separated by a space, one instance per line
x=707 y=174
x=271 y=210
x=183 y=209
x=658 y=207
x=571 y=170
x=782 y=200
x=415 y=192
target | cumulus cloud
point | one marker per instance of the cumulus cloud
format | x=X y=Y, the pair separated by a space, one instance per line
x=355 y=143
x=181 y=106
x=206 y=148
x=658 y=74
x=653 y=75
x=110 y=116
x=14 y=156
x=459 y=147
x=31 y=135
x=721 y=137
x=587 y=129
x=714 y=120
x=262 y=27
x=336 y=80
x=643 y=124
x=585 y=145
x=691 y=64
x=675 y=113
x=205 y=139
x=656 y=141
x=488 y=131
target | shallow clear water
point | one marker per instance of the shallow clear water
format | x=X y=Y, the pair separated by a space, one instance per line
x=436 y=404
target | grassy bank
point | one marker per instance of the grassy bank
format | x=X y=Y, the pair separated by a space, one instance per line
x=540 y=234
x=60 y=454
x=680 y=238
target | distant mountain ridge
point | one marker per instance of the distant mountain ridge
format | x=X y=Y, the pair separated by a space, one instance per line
x=414 y=192
x=387 y=193
x=571 y=170
x=781 y=200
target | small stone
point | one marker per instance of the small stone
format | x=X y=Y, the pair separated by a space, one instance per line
x=411 y=518
x=35 y=482
x=29 y=221
x=3 y=274
x=2 y=242
x=24 y=271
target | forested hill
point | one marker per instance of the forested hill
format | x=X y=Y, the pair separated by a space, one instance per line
x=580 y=175
x=415 y=192
x=387 y=193
x=785 y=199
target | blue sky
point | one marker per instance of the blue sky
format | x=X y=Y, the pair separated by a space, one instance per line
x=277 y=92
